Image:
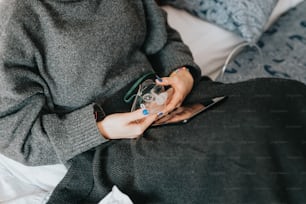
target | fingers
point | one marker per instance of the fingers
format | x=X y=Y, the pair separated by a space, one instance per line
x=136 y=128
x=140 y=121
x=175 y=99
x=165 y=81
x=175 y=102
x=135 y=115
x=125 y=125
x=180 y=84
x=148 y=121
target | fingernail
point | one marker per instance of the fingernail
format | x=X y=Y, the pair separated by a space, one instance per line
x=160 y=114
x=142 y=106
x=145 y=112
x=158 y=78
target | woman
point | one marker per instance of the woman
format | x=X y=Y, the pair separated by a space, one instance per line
x=61 y=57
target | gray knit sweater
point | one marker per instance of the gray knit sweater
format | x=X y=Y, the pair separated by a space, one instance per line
x=58 y=56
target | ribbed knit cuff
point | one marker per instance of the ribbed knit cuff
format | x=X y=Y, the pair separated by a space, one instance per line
x=73 y=133
x=195 y=71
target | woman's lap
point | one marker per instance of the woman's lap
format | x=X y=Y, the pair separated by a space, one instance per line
x=248 y=149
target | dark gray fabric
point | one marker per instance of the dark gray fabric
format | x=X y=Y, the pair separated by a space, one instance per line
x=58 y=57
x=283 y=49
x=249 y=149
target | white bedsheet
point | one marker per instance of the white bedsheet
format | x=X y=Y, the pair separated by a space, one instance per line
x=20 y=184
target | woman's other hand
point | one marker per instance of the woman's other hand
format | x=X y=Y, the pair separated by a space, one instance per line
x=181 y=82
x=125 y=125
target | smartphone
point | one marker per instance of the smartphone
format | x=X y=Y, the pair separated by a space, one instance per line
x=184 y=114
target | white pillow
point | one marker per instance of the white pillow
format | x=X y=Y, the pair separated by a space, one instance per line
x=210 y=44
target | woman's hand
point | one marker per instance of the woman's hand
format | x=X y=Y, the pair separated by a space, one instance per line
x=181 y=82
x=125 y=125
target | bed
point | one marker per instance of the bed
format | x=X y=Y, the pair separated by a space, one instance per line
x=281 y=43
x=281 y=54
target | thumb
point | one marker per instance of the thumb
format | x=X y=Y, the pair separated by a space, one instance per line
x=149 y=120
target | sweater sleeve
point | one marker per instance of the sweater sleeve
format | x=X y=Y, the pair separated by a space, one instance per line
x=32 y=131
x=164 y=45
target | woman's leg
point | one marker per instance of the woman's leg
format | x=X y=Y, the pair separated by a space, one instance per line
x=249 y=149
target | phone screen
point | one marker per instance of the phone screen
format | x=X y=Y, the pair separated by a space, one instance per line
x=184 y=113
